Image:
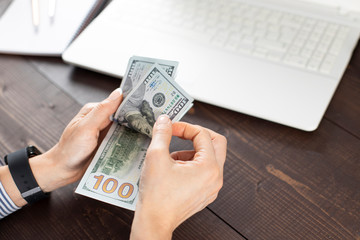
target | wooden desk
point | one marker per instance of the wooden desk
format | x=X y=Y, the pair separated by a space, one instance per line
x=279 y=183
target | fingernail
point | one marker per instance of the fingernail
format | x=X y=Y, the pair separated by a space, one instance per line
x=115 y=94
x=163 y=119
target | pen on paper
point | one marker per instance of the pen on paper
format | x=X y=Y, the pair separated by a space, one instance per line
x=51 y=9
x=35 y=13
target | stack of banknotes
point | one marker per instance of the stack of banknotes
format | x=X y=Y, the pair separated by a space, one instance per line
x=149 y=90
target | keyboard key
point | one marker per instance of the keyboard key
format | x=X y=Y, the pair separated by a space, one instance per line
x=299 y=42
x=259 y=33
x=247 y=31
x=306 y=53
x=336 y=46
x=295 y=60
x=326 y=68
x=235 y=36
x=245 y=49
x=310 y=44
x=329 y=59
x=288 y=31
x=313 y=65
x=287 y=39
x=260 y=52
x=248 y=40
x=272 y=36
x=322 y=47
x=343 y=31
x=332 y=29
x=261 y=26
x=308 y=25
x=315 y=36
x=294 y=50
x=318 y=55
x=321 y=26
x=272 y=45
x=304 y=33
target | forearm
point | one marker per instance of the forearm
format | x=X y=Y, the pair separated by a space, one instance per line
x=144 y=227
x=47 y=175
x=145 y=230
x=10 y=187
x=48 y=172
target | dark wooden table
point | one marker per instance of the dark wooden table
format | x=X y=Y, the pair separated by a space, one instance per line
x=279 y=182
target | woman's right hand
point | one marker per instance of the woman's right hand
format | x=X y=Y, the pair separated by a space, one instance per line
x=175 y=186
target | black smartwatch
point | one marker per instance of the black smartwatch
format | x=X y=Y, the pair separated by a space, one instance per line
x=20 y=170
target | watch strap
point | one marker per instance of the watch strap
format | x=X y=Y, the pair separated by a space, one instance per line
x=24 y=179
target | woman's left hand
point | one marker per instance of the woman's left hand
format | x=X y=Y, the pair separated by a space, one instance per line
x=66 y=162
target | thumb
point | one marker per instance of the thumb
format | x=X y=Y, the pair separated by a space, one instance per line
x=100 y=114
x=161 y=136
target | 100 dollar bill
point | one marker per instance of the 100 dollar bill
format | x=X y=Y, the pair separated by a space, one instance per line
x=114 y=172
x=154 y=95
x=138 y=66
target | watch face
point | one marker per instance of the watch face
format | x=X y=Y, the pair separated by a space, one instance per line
x=32 y=151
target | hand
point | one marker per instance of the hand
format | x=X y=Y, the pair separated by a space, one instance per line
x=175 y=186
x=66 y=162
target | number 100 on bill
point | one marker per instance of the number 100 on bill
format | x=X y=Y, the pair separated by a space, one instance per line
x=112 y=187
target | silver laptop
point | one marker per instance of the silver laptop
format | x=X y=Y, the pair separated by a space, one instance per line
x=279 y=60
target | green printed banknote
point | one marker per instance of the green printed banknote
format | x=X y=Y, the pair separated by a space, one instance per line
x=149 y=91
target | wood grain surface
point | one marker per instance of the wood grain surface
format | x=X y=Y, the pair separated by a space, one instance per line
x=279 y=182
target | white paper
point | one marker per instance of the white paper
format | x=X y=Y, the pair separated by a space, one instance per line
x=51 y=37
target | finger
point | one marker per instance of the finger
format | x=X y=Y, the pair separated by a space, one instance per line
x=220 y=146
x=198 y=135
x=99 y=116
x=219 y=142
x=83 y=112
x=186 y=155
x=87 y=108
x=211 y=198
x=161 y=137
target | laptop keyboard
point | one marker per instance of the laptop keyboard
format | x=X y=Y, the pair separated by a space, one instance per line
x=240 y=28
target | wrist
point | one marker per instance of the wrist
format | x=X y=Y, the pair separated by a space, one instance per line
x=47 y=174
x=148 y=226
x=19 y=176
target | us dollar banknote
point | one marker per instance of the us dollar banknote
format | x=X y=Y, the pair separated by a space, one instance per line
x=138 y=66
x=154 y=95
x=114 y=172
